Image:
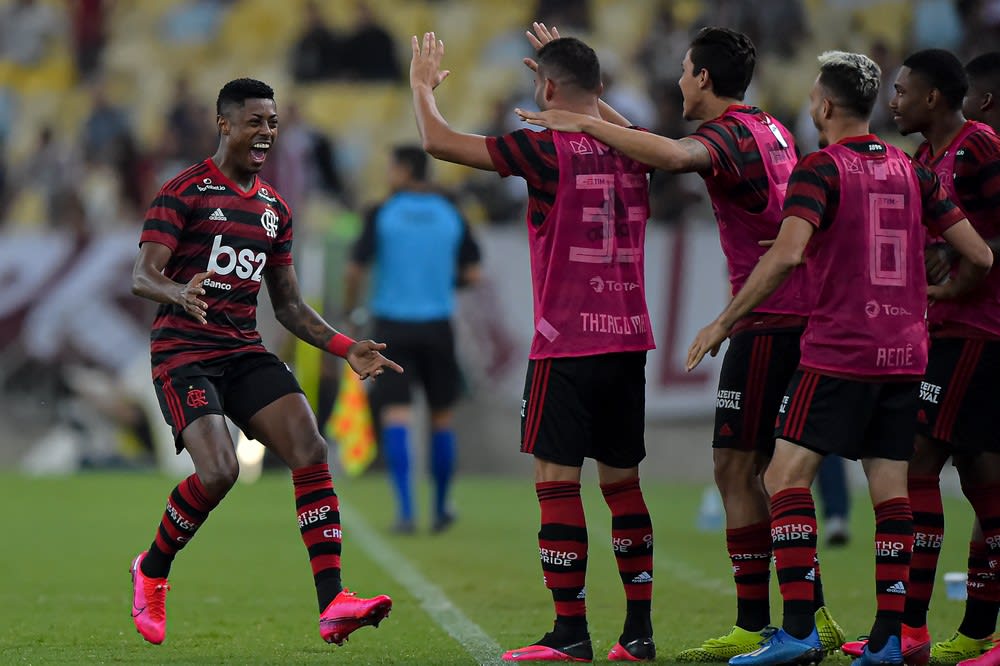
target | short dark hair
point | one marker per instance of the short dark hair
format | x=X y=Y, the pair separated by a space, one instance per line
x=238 y=91
x=853 y=80
x=942 y=70
x=728 y=56
x=569 y=60
x=984 y=71
x=413 y=158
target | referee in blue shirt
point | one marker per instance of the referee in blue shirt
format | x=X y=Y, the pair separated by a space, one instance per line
x=419 y=250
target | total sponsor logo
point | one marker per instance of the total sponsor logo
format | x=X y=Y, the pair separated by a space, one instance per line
x=875 y=309
x=313 y=516
x=930 y=392
x=600 y=285
x=559 y=558
x=206 y=185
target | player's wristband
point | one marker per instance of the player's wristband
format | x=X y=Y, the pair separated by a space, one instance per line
x=339 y=344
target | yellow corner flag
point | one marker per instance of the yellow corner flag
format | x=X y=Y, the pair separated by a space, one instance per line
x=350 y=424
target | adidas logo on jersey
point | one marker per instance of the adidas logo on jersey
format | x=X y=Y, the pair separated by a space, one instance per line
x=643 y=577
x=218 y=216
x=896 y=588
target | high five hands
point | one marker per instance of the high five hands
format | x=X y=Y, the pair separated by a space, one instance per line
x=425 y=67
x=553 y=119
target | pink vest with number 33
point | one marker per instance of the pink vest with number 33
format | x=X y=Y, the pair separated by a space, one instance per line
x=587 y=256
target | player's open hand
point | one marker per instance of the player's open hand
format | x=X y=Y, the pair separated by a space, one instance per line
x=538 y=39
x=188 y=298
x=366 y=360
x=425 y=67
x=554 y=119
x=708 y=341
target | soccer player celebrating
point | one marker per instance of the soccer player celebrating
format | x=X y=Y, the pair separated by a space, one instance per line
x=584 y=394
x=210 y=236
x=853 y=216
x=745 y=157
x=956 y=418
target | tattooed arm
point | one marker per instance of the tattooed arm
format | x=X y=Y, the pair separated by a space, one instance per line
x=306 y=324
x=291 y=311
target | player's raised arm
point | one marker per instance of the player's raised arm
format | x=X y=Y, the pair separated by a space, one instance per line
x=306 y=324
x=438 y=138
x=673 y=155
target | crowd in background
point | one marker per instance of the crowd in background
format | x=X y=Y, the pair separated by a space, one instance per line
x=104 y=172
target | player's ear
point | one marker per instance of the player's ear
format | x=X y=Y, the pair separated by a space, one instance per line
x=223 y=124
x=704 y=79
x=987 y=103
x=550 y=89
x=933 y=97
x=827 y=109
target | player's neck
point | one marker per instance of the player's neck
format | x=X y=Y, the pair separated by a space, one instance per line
x=242 y=179
x=715 y=107
x=845 y=129
x=943 y=131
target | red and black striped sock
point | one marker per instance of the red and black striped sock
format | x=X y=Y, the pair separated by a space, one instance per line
x=981 y=603
x=632 y=540
x=750 y=552
x=318 y=512
x=562 y=548
x=187 y=508
x=893 y=546
x=793 y=539
x=984 y=583
x=928 y=533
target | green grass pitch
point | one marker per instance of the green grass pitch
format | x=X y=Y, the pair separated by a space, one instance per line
x=242 y=591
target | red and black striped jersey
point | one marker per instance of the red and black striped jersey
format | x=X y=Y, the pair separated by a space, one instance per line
x=532 y=156
x=211 y=224
x=814 y=188
x=736 y=160
x=976 y=175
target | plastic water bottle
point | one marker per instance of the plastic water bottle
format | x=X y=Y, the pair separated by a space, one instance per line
x=710 y=518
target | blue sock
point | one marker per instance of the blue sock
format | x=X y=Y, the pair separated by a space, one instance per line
x=395 y=439
x=442 y=467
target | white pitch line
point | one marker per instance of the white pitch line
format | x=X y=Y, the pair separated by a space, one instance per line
x=686 y=573
x=433 y=600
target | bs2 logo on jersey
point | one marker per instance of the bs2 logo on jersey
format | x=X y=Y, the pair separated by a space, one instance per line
x=225 y=260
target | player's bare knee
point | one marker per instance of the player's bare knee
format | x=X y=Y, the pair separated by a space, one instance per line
x=313 y=452
x=219 y=477
x=735 y=471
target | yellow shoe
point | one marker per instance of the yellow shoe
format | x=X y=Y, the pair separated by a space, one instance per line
x=722 y=649
x=959 y=648
x=831 y=636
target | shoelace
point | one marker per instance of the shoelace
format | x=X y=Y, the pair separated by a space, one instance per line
x=157 y=601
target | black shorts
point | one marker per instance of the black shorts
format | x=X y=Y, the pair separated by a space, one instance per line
x=586 y=407
x=426 y=350
x=958 y=397
x=850 y=418
x=755 y=373
x=238 y=386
